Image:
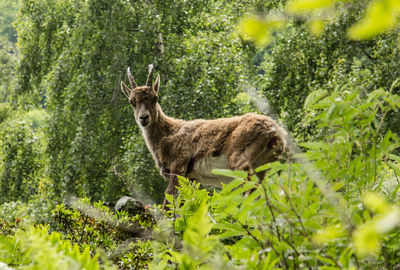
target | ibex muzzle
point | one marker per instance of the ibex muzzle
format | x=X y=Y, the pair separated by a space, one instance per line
x=144 y=116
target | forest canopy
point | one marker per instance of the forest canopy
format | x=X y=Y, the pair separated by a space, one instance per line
x=327 y=71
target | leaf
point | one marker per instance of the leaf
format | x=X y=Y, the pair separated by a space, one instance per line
x=375 y=203
x=74 y=253
x=232 y=185
x=327 y=234
x=326 y=260
x=93 y=263
x=388 y=221
x=259 y=29
x=307 y=6
x=395 y=190
x=176 y=255
x=338 y=185
x=250 y=205
x=345 y=257
x=196 y=237
x=254 y=195
x=315 y=145
x=230 y=173
x=85 y=257
x=394 y=157
x=229 y=230
x=394 y=167
x=314 y=97
x=272 y=167
x=269 y=263
x=323 y=104
x=169 y=198
x=366 y=240
x=381 y=15
x=317 y=26
x=356 y=219
x=375 y=94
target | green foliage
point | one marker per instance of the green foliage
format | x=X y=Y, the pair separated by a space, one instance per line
x=354 y=143
x=96 y=226
x=380 y=16
x=37 y=117
x=315 y=213
x=297 y=63
x=138 y=255
x=8 y=63
x=260 y=30
x=5 y=112
x=88 y=233
x=35 y=248
x=16 y=214
x=8 y=11
x=136 y=161
x=21 y=161
x=8 y=52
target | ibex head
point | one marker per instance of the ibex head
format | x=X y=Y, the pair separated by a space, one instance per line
x=143 y=99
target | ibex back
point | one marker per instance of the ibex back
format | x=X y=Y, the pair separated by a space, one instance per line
x=193 y=148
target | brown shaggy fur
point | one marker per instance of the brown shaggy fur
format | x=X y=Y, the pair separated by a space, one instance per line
x=192 y=148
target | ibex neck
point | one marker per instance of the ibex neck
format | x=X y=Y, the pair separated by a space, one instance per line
x=162 y=126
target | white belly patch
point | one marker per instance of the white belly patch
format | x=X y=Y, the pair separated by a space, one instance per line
x=202 y=170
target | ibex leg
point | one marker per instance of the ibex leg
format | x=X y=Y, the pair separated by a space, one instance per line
x=173 y=182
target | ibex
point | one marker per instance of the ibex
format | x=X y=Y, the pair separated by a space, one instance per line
x=193 y=148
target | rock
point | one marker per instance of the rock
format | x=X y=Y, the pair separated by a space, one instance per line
x=130 y=205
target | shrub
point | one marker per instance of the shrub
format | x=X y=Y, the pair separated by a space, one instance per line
x=326 y=210
x=96 y=226
x=35 y=248
x=15 y=214
x=21 y=161
x=5 y=112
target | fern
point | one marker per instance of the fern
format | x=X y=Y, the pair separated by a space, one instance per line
x=41 y=250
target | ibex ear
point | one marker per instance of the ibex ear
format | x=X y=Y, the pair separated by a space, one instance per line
x=156 y=85
x=125 y=89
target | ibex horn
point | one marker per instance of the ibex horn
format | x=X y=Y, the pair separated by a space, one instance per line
x=150 y=77
x=131 y=80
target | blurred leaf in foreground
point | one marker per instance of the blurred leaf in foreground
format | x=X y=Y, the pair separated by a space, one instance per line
x=317 y=26
x=366 y=240
x=328 y=234
x=381 y=16
x=375 y=203
x=307 y=6
x=260 y=29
